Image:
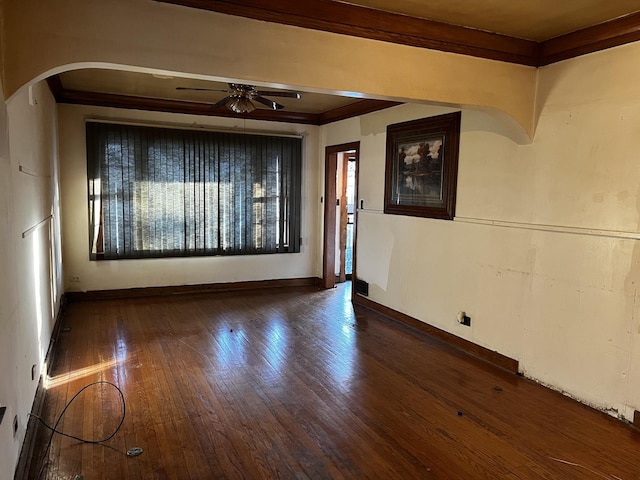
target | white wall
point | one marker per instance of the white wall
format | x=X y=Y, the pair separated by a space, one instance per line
x=117 y=274
x=30 y=259
x=544 y=253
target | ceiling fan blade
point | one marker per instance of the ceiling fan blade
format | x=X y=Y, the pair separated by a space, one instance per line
x=222 y=102
x=280 y=94
x=201 y=89
x=269 y=103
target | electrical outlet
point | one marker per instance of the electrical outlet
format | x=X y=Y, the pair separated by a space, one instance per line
x=463 y=319
x=75 y=278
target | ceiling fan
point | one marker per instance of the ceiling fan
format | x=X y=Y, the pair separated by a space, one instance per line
x=240 y=97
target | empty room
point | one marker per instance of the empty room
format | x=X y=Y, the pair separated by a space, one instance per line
x=319 y=239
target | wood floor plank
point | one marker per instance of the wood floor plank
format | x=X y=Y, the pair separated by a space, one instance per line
x=295 y=383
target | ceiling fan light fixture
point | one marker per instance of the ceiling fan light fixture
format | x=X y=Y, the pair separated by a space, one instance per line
x=241 y=105
x=241 y=98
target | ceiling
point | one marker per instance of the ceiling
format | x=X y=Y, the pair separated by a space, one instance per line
x=537 y=20
x=147 y=91
x=159 y=86
x=528 y=32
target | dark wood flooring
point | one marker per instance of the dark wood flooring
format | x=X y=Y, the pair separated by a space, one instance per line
x=290 y=383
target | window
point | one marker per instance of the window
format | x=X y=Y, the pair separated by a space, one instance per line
x=159 y=192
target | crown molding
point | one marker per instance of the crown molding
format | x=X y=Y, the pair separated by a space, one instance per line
x=358 y=21
x=77 y=97
x=354 y=110
x=610 y=34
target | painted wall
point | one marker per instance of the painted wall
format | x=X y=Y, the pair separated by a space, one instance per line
x=104 y=275
x=142 y=33
x=544 y=252
x=30 y=255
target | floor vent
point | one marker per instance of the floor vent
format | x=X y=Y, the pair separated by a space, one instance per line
x=362 y=287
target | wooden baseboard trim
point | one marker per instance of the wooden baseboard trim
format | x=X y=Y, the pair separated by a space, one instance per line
x=471 y=348
x=26 y=452
x=51 y=351
x=636 y=418
x=191 y=289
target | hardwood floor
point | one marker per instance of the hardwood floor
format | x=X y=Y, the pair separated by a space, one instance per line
x=290 y=383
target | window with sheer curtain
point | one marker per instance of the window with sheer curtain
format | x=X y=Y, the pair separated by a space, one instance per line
x=160 y=192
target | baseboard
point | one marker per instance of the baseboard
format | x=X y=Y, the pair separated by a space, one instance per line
x=636 y=418
x=190 y=289
x=471 y=348
x=26 y=452
x=51 y=351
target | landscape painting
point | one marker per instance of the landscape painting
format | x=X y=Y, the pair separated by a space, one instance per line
x=422 y=167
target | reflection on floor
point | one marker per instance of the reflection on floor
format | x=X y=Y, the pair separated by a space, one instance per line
x=292 y=383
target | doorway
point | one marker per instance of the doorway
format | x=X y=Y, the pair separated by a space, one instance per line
x=340 y=213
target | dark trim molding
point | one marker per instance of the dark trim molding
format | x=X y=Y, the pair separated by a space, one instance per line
x=55 y=85
x=356 y=109
x=357 y=21
x=76 y=97
x=636 y=418
x=592 y=39
x=329 y=211
x=465 y=345
x=191 y=289
x=28 y=445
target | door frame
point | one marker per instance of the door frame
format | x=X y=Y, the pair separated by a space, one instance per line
x=329 y=237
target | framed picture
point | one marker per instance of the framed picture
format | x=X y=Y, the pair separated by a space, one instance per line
x=422 y=167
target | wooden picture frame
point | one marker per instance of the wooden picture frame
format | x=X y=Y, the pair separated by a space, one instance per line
x=422 y=167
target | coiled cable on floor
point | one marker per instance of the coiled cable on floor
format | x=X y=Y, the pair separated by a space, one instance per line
x=54 y=430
